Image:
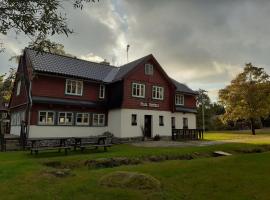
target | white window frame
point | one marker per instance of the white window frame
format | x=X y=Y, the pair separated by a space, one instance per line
x=140 y=87
x=102 y=91
x=179 y=99
x=18 y=89
x=98 y=117
x=157 y=92
x=65 y=123
x=76 y=82
x=148 y=69
x=46 y=117
x=83 y=117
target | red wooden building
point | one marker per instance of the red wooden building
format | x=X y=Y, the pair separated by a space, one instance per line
x=61 y=96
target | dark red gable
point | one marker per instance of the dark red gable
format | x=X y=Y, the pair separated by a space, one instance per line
x=159 y=78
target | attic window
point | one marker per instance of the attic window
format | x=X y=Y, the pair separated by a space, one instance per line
x=74 y=87
x=179 y=100
x=148 y=69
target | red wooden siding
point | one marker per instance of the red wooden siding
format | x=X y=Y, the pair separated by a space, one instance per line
x=190 y=101
x=52 y=86
x=22 y=98
x=158 y=79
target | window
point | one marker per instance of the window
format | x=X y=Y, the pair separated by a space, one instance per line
x=134 y=120
x=185 y=123
x=18 y=90
x=65 y=118
x=179 y=99
x=161 y=120
x=157 y=92
x=46 y=118
x=74 y=87
x=102 y=91
x=138 y=90
x=148 y=69
x=173 y=122
x=98 y=119
x=82 y=119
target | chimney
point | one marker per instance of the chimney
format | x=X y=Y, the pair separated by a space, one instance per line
x=105 y=62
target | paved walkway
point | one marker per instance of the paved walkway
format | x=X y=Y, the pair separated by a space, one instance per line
x=163 y=143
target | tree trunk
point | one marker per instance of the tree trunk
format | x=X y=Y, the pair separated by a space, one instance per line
x=252 y=126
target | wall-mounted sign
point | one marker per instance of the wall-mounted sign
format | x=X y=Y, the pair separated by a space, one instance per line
x=152 y=105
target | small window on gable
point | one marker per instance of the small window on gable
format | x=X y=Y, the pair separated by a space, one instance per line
x=134 y=120
x=102 y=91
x=179 y=100
x=148 y=69
x=18 y=90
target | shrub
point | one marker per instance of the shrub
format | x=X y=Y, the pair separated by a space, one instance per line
x=156 y=138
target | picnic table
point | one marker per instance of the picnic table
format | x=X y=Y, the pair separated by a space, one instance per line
x=99 y=141
x=64 y=143
x=36 y=144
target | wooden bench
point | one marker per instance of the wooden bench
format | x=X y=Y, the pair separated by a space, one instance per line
x=40 y=148
x=85 y=146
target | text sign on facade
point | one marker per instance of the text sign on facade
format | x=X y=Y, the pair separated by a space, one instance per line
x=152 y=105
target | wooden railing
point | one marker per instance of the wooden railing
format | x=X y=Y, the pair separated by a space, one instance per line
x=187 y=134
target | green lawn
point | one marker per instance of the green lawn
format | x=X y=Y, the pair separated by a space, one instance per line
x=241 y=176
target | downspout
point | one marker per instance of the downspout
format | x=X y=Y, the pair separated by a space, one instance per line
x=29 y=106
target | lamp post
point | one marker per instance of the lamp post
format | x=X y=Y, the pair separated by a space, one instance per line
x=202 y=93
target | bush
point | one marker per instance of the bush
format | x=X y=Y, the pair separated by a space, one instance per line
x=156 y=138
x=132 y=180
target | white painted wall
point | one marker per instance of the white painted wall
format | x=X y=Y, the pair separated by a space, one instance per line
x=179 y=120
x=65 y=131
x=15 y=130
x=119 y=122
x=114 y=122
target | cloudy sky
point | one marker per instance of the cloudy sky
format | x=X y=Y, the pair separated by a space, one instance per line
x=202 y=43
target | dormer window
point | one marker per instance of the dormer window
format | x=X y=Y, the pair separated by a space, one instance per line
x=148 y=69
x=179 y=100
x=18 y=89
x=74 y=87
x=102 y=91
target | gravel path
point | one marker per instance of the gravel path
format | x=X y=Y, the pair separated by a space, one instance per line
x=163 y=143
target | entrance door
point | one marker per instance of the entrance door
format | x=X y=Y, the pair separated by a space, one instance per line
x=148 y=125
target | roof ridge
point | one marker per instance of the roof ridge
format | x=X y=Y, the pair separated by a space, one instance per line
x=75 y=58
x=142 y=58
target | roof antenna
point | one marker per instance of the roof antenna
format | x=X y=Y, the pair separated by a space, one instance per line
x=127 y=51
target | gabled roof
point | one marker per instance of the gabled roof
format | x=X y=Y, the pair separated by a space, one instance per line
x=124 y=69
x=64 y=65
x=180 y=87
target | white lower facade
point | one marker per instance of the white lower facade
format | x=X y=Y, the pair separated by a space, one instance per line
x=119 y=124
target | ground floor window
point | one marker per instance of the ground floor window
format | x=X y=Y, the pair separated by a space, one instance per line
x=185 y=122
x=134 y=120
x=173 y=122
x=82 y=119
x=161 y=120
x=46 y=118
x=98 y=119
x=65 y=118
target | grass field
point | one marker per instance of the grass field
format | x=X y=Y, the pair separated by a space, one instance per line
x=240 y=176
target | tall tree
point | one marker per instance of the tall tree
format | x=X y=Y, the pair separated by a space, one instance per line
x=248 y=96
x=36 y=18
x=6 y=85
